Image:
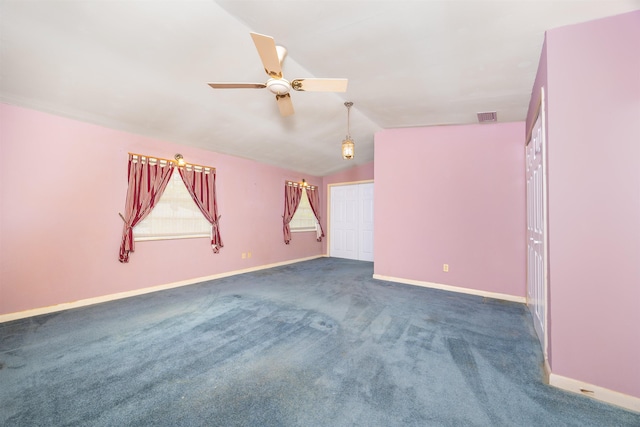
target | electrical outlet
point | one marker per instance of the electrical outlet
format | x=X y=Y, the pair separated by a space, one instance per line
x=445 y=268
x=244 y=255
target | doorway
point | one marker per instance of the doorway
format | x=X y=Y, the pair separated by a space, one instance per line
x=351 y=221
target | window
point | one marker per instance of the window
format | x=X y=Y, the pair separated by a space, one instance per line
x=176 y=216
x=304 y=218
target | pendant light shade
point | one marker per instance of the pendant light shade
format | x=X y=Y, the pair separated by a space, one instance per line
x=348 y=146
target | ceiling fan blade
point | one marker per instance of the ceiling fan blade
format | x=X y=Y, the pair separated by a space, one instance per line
x=266 y=47
x=320 y=85
x=284 y=104
x=237 y=85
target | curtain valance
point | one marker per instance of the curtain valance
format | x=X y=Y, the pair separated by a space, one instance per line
x=153 y=160
x=300 y=184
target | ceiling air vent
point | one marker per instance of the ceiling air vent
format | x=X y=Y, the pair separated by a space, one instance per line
x=489 y=116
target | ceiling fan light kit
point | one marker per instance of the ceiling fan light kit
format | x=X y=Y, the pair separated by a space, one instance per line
x=272 y=57
x=348 y=146
x=278 y=86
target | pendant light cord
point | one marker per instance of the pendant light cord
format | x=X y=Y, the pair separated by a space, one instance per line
x=348 y=105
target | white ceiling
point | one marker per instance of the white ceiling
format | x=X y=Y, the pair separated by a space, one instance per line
x=142 y=67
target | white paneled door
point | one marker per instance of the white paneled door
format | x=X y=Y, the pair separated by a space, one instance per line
x=351 y=228
x=365 y=225
x=536 y=225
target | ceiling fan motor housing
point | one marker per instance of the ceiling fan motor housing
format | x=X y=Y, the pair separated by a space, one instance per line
x=279 y=86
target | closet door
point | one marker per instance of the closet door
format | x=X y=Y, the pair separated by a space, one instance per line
x=351 y=227
x=536 y=234
x=344 y=221
x=365 y=223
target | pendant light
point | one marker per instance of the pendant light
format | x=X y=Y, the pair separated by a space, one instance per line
x=348 y=146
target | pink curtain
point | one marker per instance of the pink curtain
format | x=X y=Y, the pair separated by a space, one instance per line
x=202 y=187
x=314 y=201
x=292 y=194
x=147 y=182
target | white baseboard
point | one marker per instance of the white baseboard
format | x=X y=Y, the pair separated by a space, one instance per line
x=111 y=297
x=602 y=394
x=547 y=371
x=495 y=295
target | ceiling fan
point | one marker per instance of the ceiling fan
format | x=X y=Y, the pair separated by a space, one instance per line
x=272 y=57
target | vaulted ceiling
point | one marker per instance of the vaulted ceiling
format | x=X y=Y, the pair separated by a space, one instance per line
x=143 y=67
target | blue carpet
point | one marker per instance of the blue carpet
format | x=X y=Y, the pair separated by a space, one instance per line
x=319 y=343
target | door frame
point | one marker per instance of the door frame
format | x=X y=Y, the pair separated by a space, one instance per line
x=329 y=186
x=541 y=113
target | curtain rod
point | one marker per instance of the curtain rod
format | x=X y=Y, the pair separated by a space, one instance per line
x=172 y=161
x=298 y=184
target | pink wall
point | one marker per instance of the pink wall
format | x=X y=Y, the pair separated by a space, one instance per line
x=355 y=174
x=593 y=73
x=539 y=83
x=453 y=195
x=62 y=184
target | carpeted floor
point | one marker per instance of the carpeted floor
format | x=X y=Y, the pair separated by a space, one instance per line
x=319 y=343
